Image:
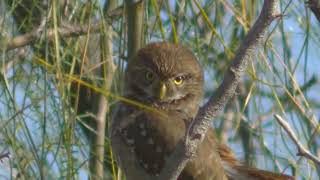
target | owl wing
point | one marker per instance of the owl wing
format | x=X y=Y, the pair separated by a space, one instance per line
x=141 y=142
x=145 y=138
x=123 y=154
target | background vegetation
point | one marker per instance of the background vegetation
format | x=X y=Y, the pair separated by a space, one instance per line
x=62 y=64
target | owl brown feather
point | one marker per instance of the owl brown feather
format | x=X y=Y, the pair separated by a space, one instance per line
x=236 y=171
x=168 y=79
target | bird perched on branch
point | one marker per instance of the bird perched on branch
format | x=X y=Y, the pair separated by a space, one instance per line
x=164 y=86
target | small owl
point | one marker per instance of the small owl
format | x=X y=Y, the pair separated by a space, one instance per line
x=168 y=80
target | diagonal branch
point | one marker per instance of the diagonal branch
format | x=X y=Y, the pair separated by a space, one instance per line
x=302 y=151
x=31 y=37
x=226 y=90
x=65 y=30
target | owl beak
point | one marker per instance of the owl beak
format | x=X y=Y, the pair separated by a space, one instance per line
x=163 y=91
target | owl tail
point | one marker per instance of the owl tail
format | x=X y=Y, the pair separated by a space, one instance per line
x=236 y=171
x=240 y=172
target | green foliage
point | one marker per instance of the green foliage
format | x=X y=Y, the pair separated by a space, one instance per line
x=46 y=117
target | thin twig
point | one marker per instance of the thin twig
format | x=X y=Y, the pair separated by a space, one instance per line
x=197 y=130
x=302 y=151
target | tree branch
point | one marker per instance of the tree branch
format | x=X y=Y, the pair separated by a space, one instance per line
x=197 y=130
x=102 y=104
x=135 y=20
x=65 y=30
x=302 y=151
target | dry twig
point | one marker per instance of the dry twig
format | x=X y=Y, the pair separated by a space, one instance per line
x=302 y=151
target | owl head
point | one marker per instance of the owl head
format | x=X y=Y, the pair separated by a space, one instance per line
x=164 y=75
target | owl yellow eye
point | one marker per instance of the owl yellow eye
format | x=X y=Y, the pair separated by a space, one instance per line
x=178 y=80
x=149 y=76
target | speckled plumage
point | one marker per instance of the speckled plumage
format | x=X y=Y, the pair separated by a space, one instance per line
x=142 y=138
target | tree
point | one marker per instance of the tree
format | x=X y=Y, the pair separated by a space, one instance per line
x=62 y=65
